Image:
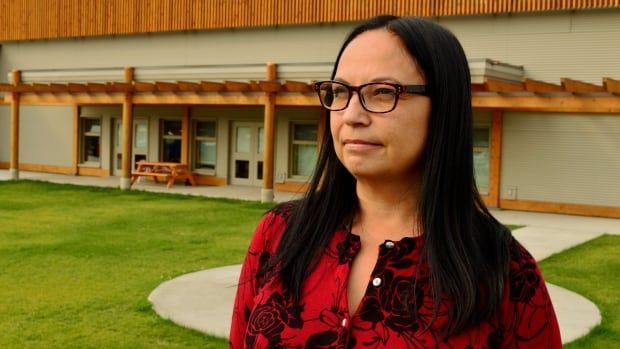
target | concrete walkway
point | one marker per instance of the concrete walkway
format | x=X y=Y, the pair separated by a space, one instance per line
x=203 y=300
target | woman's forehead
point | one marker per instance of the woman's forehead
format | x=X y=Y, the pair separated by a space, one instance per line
x=373 y=54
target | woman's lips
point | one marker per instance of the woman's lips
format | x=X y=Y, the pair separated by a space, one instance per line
x=358 y=144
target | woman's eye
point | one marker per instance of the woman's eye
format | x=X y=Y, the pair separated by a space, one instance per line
x=339 y=91
x=383 y=91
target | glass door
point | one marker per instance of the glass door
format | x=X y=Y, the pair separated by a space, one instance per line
x=246 y=161
x=140 y=143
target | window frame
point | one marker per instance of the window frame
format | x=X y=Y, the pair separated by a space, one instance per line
x=483 y=190
x=163 y=137
x=292 y=142
x=195 y=139
x=83 y=134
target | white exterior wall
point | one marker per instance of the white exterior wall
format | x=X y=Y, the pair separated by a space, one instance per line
x=561 y=158
x=582 y=45
x=5 y=133
x=46 y=135
x=217 y=47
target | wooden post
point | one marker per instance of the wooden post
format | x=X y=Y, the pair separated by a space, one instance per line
x=269 y=123
x=75 y=153
x=496 y=157
x=321 y=129
x=14 y=160
x=127 y=145
x=185 y=136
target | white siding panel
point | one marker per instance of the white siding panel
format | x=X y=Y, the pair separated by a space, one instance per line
x=5 y=133
x=292 y=44
x=46 y=135
x=562 y=158
x=582 y=45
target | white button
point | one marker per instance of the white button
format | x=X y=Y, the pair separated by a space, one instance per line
x=376 y=282
x=389 y=244
x=344 y=322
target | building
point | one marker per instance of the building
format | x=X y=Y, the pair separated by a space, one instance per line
x=91 y=87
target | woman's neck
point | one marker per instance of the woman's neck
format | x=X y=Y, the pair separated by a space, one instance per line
x=387 y=210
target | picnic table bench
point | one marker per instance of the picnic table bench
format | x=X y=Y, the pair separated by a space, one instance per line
x=167 y=171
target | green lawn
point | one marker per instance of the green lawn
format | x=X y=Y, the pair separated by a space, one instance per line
x=77 y=264
x=592 y=270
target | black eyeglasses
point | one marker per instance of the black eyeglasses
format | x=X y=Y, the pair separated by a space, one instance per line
x=375 y=97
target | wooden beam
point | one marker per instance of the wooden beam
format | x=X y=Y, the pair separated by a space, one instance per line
x=59 y=88
x=68 y=99
x=270 y=86
x=166 y=86
x=75 y=151
x=193 y=99
x=321 y=128
x=537 y=86
x=235 y=86
x=254 y=86
x=493 y=85
x=6 y=87
x=298 y=100
x=562 y=104
x=496 y=158
x=185 y=136
x=16 y=78
x=612 y=86
x=559 y=207
x=185 y=86
x=96 y=87
x=41 y=88
x=23 y=88
x=127 y=146
x=269 y=123
x=297 y=86
x=119 y=87
x=479 y=87
x=144 y=86
x=577 y=86
x=210 y=86
x=77 y=88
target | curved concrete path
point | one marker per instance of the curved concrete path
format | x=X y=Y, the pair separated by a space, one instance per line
x=203 y=300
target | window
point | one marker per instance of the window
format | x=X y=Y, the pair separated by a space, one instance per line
x=91 y=140
x=303 y=149
x=171 y=141
x=481 y=159
x=204 y=145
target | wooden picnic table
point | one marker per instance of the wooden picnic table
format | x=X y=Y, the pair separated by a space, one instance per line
x=167 y=171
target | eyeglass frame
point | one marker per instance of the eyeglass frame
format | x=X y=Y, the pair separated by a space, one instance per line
x=400 y=89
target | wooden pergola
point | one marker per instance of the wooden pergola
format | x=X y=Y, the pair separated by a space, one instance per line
x=569 y=96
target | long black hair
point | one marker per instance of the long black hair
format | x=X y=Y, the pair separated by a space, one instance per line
x=465 y=247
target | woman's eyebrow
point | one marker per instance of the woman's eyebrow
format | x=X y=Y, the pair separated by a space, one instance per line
x=384 y=79
x=377 y=79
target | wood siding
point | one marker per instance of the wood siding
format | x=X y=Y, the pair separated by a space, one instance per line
x=48 y=19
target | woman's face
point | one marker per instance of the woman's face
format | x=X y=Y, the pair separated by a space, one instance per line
x=385 y=146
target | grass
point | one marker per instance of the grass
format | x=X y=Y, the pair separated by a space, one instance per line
x=591 y=269
x=77 y=263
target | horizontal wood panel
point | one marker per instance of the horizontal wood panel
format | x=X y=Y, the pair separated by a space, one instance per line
x=45 y=19
x=563 y=208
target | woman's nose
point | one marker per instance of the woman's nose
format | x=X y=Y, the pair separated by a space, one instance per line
x=355 y=113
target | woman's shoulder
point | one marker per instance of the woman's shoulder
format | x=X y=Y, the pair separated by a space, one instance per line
x=271 y=226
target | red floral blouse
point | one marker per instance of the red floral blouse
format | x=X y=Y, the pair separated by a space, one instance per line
x=263 y=317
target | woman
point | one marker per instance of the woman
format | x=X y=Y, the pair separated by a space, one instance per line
x=392 y=246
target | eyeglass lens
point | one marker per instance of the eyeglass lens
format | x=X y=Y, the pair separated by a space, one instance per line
x=374 y=97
